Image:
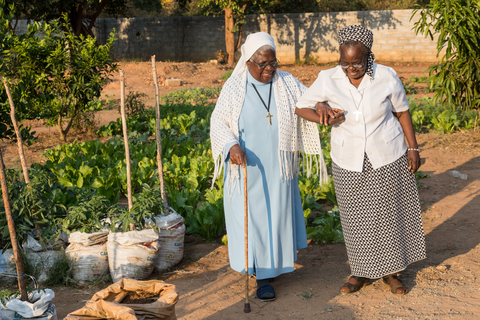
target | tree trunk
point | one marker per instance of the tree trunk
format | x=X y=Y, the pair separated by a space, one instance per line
x=159 y=140
x=229 y=35
x=60 y=128
x=13 y=234
x=17 y=132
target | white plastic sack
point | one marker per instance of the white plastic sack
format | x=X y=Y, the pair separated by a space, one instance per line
x=37 y=257
x=132 y=254
x=32 y=245
x=3 y=264
x=172 y=236
x=40 y=307
x=88 y=253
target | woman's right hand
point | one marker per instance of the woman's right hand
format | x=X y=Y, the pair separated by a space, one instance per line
x=238 y=156
x=329 y=116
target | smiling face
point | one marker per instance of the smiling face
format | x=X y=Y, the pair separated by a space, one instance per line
x=353 y=55
x=262 y=55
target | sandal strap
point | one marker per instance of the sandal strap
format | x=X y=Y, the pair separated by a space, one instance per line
x=389 y=279
x=355 y=287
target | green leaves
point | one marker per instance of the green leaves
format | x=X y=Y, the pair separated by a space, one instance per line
x=326 y=228
x=52 y=73
x=456 y=79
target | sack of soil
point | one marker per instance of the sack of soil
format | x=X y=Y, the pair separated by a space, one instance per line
x=88 y=253
x=172 y=236
x=132 y=254
x=41 y=258
x=130 y=299
x=38 y=306
x=3 y=263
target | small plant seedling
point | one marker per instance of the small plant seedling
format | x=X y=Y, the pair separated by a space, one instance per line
x=307 y=295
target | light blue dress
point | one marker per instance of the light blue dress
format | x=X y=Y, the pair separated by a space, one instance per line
x=276 y=226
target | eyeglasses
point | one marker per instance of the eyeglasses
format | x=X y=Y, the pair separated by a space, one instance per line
x=272 y=64
x=355 y=66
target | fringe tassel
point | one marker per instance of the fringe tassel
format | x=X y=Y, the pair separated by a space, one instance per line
x=218 y=168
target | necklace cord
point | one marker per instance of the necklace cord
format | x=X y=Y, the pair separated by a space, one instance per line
x=269 y=97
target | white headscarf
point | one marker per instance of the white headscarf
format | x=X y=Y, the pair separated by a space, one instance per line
x=253 y=42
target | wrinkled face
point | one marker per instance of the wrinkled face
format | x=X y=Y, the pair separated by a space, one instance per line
x=350 y=56
x=266 y=74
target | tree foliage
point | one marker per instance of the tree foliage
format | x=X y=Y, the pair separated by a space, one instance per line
x=456 y=23
x=53 y=74
x=81 y=14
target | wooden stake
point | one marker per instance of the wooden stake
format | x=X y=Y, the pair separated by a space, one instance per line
x=125 y=139
x=159 y=140
x=17 y=132
x=20 y=148
x=13 y=234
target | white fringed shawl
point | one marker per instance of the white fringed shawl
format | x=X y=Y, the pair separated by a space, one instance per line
x=295 y=134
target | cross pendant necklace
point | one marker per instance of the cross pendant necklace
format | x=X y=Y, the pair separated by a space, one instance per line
x=358 y=112
x=269 y=116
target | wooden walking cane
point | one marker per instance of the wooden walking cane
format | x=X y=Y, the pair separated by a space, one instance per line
x=246 y=307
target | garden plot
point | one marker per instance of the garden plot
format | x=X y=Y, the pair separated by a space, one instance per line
x=209 y=289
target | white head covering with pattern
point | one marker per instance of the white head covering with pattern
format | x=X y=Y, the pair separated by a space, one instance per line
x=253 y=42
x=360 y=34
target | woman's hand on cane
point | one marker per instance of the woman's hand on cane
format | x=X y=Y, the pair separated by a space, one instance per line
x=237 y=155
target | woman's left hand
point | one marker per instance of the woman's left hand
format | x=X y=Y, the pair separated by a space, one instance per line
x=413 y=160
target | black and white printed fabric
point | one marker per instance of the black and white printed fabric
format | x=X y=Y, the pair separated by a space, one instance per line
x=381 y=218
x=362 y=35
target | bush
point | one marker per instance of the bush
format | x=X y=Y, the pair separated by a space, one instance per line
x=456 y=78
x=134 y=104
x=326 y=228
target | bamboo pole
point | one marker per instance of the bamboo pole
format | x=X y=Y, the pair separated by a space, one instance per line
x=17 y=132
x=125 y=139
x=159 y=140
x=13 y=234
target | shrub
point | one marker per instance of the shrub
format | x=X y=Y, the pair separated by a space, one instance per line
x=456 y=78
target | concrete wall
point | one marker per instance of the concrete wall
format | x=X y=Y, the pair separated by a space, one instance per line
x=298 y=36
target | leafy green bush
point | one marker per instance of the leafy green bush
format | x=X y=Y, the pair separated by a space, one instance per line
x=409 y=87
x=192 y=95
x=208 y=220
x=326 y=228
x=456 y=78
x=39 y=203
x=427 y=114
x=53 y=74
x=134 y=104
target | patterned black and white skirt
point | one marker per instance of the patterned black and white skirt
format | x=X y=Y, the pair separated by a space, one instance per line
x=381 y=218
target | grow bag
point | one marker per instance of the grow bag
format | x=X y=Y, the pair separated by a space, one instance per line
x=171 y=237
x=132 y=254
x=40 y=307
x=88 y=253
x=107 y=304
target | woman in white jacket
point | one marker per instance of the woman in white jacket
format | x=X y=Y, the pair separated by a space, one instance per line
x=373 y=168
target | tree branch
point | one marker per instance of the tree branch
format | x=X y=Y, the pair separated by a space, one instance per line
x=96 y=14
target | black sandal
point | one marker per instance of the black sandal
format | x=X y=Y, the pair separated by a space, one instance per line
x=361 y=282
x=393 y=287
x=266 y=293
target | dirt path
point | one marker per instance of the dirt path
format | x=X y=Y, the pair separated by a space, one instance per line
x=444 y=286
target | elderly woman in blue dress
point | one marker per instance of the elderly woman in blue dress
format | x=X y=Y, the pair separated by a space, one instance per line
x=255 y=124
x=373 y=168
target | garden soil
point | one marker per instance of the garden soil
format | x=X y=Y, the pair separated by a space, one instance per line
x=444 y=286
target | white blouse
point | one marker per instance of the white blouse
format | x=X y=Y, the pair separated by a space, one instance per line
x=370 y=126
